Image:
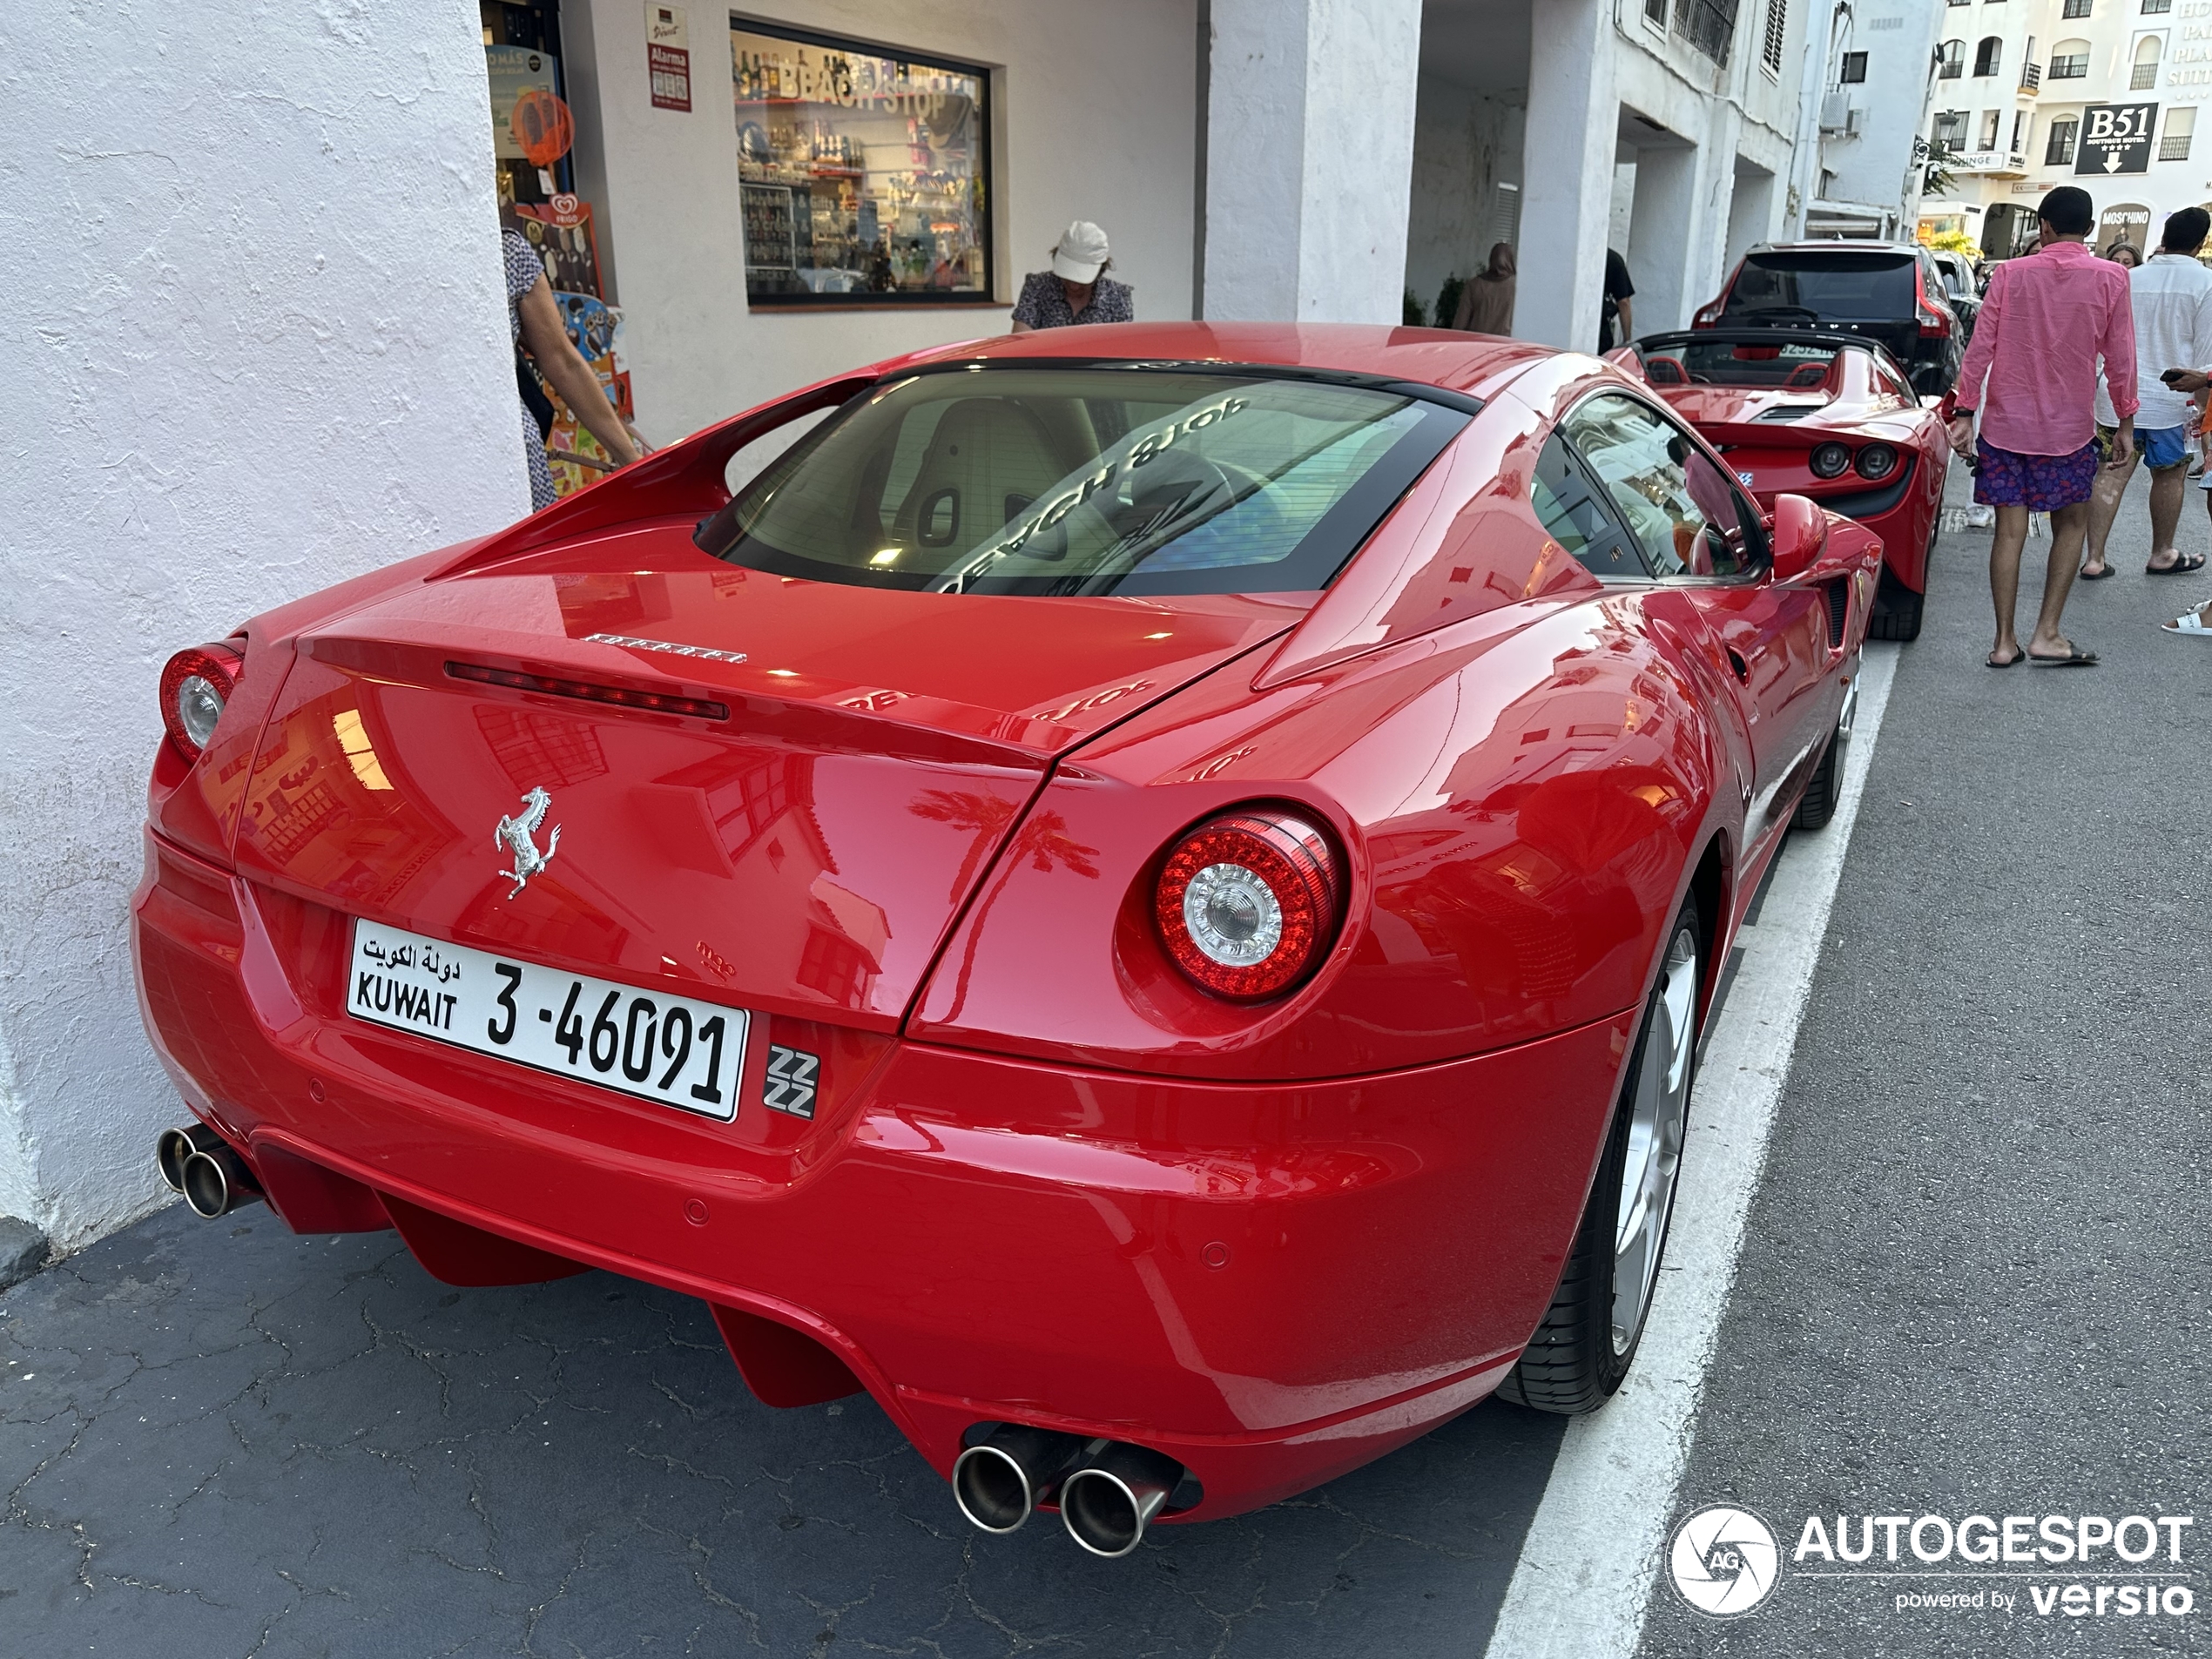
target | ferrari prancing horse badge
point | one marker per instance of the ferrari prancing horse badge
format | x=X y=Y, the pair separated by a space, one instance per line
x=515 y=834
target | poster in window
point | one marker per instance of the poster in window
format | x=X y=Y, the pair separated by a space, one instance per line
x=2115 y=137
x=514 y=71
x=767 y=230
x=865 y=172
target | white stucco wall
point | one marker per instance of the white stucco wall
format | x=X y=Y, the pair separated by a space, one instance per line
x=1308 y=159
x=1096 y=120
x=258 y=335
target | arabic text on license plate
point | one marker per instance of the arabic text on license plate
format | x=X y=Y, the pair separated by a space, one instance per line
x=669 y=1049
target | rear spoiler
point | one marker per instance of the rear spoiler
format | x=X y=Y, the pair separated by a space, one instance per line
x=1781 y=334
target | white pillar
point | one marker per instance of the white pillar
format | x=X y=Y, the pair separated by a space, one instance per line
x=268 y=350
x=1662 y=235
x=1572 y=132
x=1750 y=213
x=1308 y=159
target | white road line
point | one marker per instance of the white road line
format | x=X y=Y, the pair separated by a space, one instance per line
x=1586 y=1566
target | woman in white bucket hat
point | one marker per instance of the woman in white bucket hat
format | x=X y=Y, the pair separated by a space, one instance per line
x=1077 y=289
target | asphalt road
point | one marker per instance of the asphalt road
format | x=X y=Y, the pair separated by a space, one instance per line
x=1974 y=1281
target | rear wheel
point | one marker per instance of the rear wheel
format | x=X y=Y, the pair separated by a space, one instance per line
x=1818 y=806
x=1897 y=611
x=1583 y=1348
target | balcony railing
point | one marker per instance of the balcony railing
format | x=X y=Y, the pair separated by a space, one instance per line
x=2031 y=76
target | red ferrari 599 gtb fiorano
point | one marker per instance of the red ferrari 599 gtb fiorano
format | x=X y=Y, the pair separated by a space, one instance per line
x=1143 y=895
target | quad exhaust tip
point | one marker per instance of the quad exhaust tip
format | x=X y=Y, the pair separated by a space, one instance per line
x=202 y=1164
x=1107 y=1493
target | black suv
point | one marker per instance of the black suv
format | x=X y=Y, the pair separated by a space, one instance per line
x=1885 y=291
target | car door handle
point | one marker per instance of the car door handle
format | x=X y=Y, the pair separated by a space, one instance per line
x=1743 y=669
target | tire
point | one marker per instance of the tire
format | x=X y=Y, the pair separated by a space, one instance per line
x=1897 y=612
x=1817 y=804
x=1589 y=1338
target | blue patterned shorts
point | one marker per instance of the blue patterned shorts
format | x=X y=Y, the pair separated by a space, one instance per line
x=2040 y=483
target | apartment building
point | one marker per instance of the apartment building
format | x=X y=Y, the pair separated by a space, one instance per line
x=2104 y=94
x=1873 y=67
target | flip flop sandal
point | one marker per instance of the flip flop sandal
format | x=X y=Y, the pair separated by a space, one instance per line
x=2187 y=623
x=2089 y=574
x=2016 y=660
x=2181 y=566
x=2076 y=657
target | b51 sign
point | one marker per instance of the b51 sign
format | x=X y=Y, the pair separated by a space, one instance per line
x=2115 y=137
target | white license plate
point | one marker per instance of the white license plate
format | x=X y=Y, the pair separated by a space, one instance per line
x=669 y=1049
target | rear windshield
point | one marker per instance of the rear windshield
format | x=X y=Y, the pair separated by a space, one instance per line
x=1692 y=359
x=1835 y=287
x=1087 y=480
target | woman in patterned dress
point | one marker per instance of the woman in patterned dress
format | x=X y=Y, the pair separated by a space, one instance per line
x=1077 y=289
x=534 y=322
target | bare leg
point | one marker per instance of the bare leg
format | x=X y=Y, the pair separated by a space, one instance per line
x=2167 y=487
x=2104 y=507
x=2068 y=527
x=2005 y=577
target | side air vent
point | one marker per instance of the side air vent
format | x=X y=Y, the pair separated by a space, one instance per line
x=1838 y=594
x=1783 y=413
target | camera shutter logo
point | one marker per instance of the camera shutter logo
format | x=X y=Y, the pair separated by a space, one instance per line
x=1724 y=1562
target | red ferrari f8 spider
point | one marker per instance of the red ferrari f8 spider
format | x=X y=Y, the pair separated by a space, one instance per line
x=1830 y=416
x=1143 y=895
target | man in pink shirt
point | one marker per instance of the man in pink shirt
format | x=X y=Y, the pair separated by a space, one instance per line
x=2031 y=373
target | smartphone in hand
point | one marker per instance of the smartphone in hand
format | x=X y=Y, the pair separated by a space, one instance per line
x=2172 y=375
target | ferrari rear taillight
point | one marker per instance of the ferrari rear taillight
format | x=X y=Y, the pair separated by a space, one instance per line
x=1830 y=460
x=195 y=684
x=1250 y=902
x=1876 y=462
x=1709 y=316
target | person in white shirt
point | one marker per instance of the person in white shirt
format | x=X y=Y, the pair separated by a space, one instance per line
x=2171 y=296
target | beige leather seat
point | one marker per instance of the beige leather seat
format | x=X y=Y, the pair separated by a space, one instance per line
x=988 y=461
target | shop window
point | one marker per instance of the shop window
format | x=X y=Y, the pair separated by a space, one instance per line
x=522 y=52
x=1854 y=68
x=2181 y=126
x=1988 y=55
x=865 y=175
x=2058 y=148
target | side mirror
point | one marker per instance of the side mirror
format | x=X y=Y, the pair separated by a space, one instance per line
x=1800 y=536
